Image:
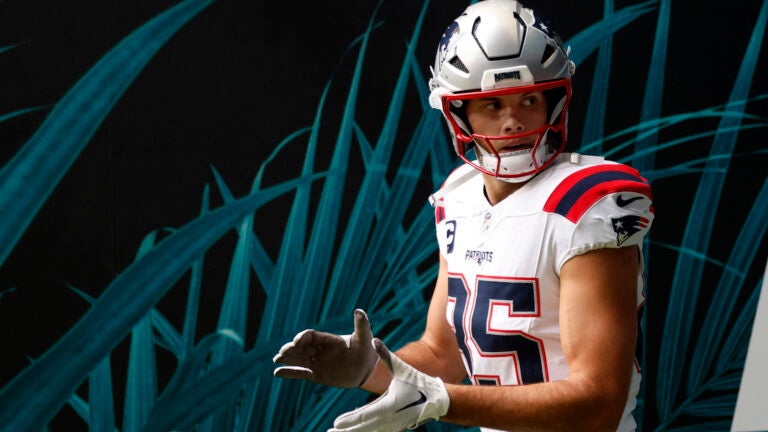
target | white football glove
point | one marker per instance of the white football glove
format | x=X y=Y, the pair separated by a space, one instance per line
x=412 y=399
x=330 y=359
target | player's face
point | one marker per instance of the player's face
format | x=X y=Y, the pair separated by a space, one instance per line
x=506 y=115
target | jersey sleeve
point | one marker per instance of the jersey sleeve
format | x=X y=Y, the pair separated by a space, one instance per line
x=604 y=206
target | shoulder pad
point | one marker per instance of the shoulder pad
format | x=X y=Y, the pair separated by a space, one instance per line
x=580 y=190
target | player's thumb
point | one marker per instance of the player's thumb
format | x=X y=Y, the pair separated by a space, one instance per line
x=384 y=354
x=362 y=327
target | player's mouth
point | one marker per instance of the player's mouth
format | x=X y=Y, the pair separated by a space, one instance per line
x=515 y=146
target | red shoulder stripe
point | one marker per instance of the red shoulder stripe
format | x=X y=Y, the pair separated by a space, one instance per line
x=576 y=194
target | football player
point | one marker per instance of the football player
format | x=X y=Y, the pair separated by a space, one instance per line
x=541 y=264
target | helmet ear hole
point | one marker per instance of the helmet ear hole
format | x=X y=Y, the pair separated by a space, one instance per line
x=548 y=55
x=458 y=64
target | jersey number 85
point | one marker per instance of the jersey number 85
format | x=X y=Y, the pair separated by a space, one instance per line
x=474 y=324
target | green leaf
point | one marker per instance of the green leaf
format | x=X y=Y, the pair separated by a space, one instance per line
x=120 y=307
x=712 y=331
x=687 y=279
x=141 y=384
x=101 y=401
x=30 y=177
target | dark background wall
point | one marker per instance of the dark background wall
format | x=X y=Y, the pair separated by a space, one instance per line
x=241 y=76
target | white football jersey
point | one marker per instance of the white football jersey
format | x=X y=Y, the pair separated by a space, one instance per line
x=504 y=262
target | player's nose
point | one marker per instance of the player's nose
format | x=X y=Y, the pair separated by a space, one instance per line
x=511 y=122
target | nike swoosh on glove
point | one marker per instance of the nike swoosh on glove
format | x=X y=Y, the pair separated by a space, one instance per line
x=330 y=359
x=412 y=399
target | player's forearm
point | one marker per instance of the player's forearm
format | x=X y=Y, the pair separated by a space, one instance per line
x=561 y=405
x=428 y=358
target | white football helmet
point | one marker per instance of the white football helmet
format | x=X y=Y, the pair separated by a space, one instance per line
x=498 y=47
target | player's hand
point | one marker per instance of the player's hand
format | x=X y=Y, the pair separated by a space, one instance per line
x=330 y=359
x=413 y=398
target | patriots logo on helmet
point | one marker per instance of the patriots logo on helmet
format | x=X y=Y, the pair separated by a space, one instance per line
x=445 y=41
x=626 y=226
x=543 y=25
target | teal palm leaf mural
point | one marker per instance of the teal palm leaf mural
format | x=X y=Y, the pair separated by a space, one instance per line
x=357 y=232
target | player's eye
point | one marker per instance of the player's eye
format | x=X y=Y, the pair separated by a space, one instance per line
x=529 y=100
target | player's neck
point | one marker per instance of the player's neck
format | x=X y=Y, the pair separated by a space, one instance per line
x=497 y=190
